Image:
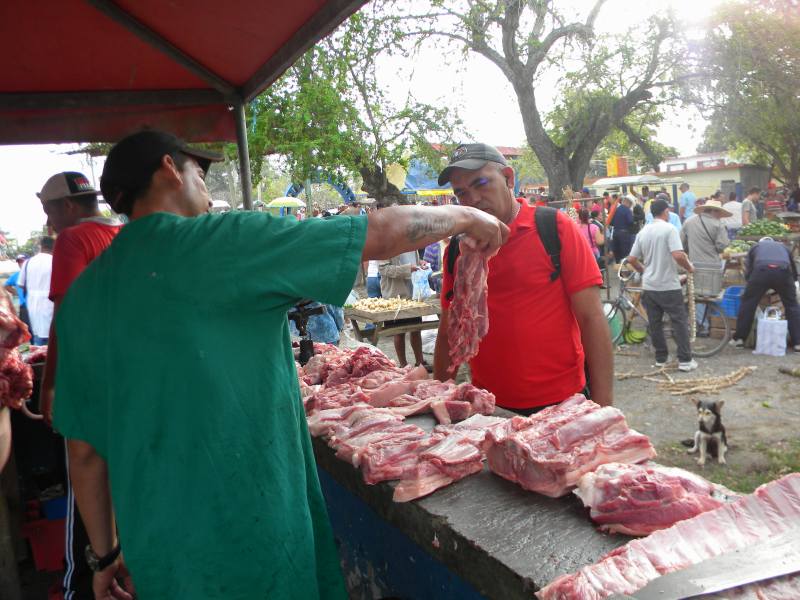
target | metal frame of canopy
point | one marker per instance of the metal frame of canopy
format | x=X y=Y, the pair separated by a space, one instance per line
x=28 y=111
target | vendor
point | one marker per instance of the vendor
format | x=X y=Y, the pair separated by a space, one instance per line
x=540 y=329
x=188 y=401
x=769 y=266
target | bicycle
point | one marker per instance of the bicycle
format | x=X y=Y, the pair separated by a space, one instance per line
x=624 y=312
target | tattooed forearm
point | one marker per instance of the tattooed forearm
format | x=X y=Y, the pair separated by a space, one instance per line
x=422 y=226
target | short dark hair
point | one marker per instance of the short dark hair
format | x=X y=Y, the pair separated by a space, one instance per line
x=732 y=196
x=583 y=215
x=754 y=190
x=658 y=206
x=87 y=201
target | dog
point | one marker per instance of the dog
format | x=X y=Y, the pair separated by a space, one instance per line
x=710 y=429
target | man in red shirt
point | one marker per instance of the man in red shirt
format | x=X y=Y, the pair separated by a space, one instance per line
x=539 y=330
x=70 y=203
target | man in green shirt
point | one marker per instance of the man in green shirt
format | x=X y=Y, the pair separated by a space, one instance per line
x=186 y=432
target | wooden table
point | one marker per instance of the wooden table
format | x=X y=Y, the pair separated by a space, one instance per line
x=379 y=319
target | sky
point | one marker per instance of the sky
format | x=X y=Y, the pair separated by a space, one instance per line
x=484 y=98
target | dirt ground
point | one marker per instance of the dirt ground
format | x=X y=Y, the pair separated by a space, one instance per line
x=761 y=413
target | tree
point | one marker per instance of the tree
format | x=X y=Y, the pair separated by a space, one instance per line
x=613 y=76
x=751 y=60
x=331 y=113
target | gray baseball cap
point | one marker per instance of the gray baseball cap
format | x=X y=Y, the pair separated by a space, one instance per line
x=471 y=157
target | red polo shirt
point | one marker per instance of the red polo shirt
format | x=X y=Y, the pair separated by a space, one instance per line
x=75 y=248
x=532 y=355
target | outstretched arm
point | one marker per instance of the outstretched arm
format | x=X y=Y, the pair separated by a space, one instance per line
x=397 y=229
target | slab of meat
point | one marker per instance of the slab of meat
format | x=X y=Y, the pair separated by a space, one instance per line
x=16 y=379
x=13 y=332
x=36 y=354
x=475 y=428
x=323 y=422
x=361 y=361
x=772 y=509
x=393 y=458
x=640 y=499
x=351 y=449
x=451 y=459
x=468 y=317
x=337 y=396
x=376 y=379
x=550 y=451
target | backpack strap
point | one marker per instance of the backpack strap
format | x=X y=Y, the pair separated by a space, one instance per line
x=547 y=227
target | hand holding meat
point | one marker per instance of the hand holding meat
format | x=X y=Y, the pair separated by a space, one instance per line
x=485 y=233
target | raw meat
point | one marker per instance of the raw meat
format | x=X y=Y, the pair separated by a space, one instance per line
x=451 y=459
x=641 y=499
x=337 y=396
x=774 y=508
x=550 y=451
x=468 y=317
x=474 y=428
x=323 y=422
x=35 y=354
x=362 y=361
x=393 y=459
x=13 y=332
x=447 y=411
x=16 y=379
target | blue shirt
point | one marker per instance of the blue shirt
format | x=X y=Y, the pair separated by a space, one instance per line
x=687 y=202
x=674 y=220
x=12 y=280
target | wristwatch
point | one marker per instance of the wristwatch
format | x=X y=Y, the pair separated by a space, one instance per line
x=98 y=563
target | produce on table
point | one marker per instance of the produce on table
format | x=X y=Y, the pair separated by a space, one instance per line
x=738 y=247
x=764 y=227
x=385 y=304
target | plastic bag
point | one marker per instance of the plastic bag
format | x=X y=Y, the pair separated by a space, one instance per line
x=419 y=280
x=771 y=334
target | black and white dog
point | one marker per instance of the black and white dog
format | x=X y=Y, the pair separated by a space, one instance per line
x=710 y=429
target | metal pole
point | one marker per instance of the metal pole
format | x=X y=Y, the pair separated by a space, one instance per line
x=244 y=156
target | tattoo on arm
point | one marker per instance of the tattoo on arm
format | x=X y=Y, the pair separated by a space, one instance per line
x=426 y=225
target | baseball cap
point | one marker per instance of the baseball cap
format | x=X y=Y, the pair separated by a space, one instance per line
x=133 y=160
x=471 y=157
x=66 y=185
x=658 y=206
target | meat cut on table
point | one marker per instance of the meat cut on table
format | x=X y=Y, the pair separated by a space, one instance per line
x=773 y=509
x=640 y=499
x=468 y=316
x=549 y=452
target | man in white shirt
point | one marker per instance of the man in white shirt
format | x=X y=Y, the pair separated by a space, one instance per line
x=35 y=278
x=657 y=252
x=734 y=222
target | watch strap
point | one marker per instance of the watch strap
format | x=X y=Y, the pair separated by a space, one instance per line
x=97 y=563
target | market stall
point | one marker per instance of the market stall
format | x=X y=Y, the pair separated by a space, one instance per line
x=386 y=322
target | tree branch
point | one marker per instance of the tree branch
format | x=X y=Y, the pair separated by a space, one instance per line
x=637 y=139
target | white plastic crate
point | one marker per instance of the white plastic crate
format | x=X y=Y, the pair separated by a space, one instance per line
x=707 y=279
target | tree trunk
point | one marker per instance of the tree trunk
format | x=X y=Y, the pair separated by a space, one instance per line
x=379 y=187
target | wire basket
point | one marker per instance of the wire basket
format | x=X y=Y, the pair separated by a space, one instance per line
x=707 y=279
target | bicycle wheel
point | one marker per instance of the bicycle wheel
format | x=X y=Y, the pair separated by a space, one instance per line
x=616 y=319
x=713 y=329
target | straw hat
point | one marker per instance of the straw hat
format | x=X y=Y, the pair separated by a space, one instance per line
x=713 y=205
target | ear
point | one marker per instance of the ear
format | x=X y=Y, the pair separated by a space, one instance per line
x=170 y=170
x=718 y=404
x=508 y=173
x=696 y=402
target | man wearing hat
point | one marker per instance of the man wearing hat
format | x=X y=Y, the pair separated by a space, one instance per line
x=540 y=329
x=70 y=203
x=196 y=450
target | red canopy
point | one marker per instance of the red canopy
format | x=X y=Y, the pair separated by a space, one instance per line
x=95 y=70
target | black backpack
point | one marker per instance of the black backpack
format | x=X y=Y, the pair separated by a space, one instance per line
x=547 y=228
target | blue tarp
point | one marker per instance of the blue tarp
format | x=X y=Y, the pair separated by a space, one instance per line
x=421 y=177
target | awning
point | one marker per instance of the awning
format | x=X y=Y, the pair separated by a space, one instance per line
x=96 y=70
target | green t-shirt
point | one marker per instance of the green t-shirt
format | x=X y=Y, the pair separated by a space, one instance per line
x=175 y=365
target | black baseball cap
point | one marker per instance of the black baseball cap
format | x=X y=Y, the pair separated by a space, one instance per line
x=471 y=157
x=133 y=160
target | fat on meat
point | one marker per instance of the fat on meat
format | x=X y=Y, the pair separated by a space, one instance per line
x=468 y=317
x=451 y=459
x=16 y=379
x=549 y=452
x=640 y=499
x=773 y=509
x=394 y=458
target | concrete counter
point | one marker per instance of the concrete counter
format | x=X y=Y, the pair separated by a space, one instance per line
x=493 y=538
